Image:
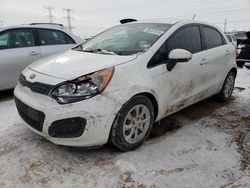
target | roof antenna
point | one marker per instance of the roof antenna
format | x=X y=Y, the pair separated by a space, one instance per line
x=194 y=16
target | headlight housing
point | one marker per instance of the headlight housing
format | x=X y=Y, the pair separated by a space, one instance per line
x=83 y=87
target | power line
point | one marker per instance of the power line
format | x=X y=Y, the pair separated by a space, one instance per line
x=50 y=13
x=69 y=18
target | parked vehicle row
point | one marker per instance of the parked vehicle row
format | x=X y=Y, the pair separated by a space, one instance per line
x=243 y=51
x=22 y=45
x=116 y=85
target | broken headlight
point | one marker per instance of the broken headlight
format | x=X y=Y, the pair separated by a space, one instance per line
x=83 y=87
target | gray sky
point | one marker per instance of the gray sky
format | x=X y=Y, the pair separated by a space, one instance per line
x=93 y=16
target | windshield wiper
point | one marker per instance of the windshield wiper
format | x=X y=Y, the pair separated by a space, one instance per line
x=100 y=51
x=78 y=48
x=129 y=52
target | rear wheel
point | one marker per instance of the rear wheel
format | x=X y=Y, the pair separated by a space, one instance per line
x=133 y=124
x=228 y=87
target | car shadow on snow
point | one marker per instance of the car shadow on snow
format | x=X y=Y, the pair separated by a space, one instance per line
x=190 y=114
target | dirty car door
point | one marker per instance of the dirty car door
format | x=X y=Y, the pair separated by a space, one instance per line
x=182 y=85
x=217 y=55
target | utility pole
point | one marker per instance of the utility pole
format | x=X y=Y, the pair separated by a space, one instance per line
x=69 y=18
x=194 y=16
x=225 y=25
x=50 y=13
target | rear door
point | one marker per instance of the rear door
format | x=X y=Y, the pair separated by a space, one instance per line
x=217 y=55
x=54 y=41
x=17 y=50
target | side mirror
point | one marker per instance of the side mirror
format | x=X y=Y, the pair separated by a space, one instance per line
x=180 y=56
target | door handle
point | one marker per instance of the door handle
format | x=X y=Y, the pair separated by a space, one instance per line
x=203 y=62
x=227 y=53
x=33 y=53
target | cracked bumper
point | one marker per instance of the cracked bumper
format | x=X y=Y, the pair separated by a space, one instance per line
x=99 y=113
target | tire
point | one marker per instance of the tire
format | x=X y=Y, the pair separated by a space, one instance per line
x=133 y=124
x=228 y=87
x=240 y=63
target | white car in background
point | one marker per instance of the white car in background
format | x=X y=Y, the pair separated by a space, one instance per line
x=116 y=85
x=22 y=45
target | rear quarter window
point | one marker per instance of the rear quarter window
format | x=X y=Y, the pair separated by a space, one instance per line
x=229 y=38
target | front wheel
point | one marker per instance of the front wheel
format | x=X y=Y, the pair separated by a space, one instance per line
x=228 y=87
x=133 y=124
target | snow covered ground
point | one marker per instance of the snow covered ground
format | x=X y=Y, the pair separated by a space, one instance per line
x=209 y=146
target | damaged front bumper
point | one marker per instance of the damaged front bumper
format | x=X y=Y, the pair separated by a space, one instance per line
x=83 y=124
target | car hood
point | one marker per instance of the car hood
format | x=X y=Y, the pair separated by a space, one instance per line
x=73 y=64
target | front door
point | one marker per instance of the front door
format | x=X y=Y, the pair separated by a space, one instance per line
x=182 y=85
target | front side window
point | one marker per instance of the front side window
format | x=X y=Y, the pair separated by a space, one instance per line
x=212 y=38
x=53 y=37
x=17 y=39
x=126 y=39
x=187 y=38
x=4 y=40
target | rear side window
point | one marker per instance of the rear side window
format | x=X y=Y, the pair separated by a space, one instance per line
x=212 y=38
x=188 y=38
x=229 y=38
x=234 y=39
x=53 y=37
x=17 y=39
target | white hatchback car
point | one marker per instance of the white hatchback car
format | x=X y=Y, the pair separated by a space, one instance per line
x=116 y=85
x=21 y=45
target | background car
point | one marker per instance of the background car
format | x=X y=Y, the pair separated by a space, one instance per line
x=108 y=90
x=21 y=45
x=243 y=51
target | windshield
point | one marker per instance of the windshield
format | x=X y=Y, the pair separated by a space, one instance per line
x=125 y=39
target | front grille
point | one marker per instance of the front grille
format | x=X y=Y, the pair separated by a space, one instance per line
x=31 y=116
x=36 y=87
x=67 y=128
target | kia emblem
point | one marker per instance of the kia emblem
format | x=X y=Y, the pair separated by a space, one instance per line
x=32 y=76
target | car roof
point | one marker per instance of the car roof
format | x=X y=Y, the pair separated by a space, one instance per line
x=176 y=21
x=173 y=21
x=42 y=26
x=160 y=20
x=77 y=39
